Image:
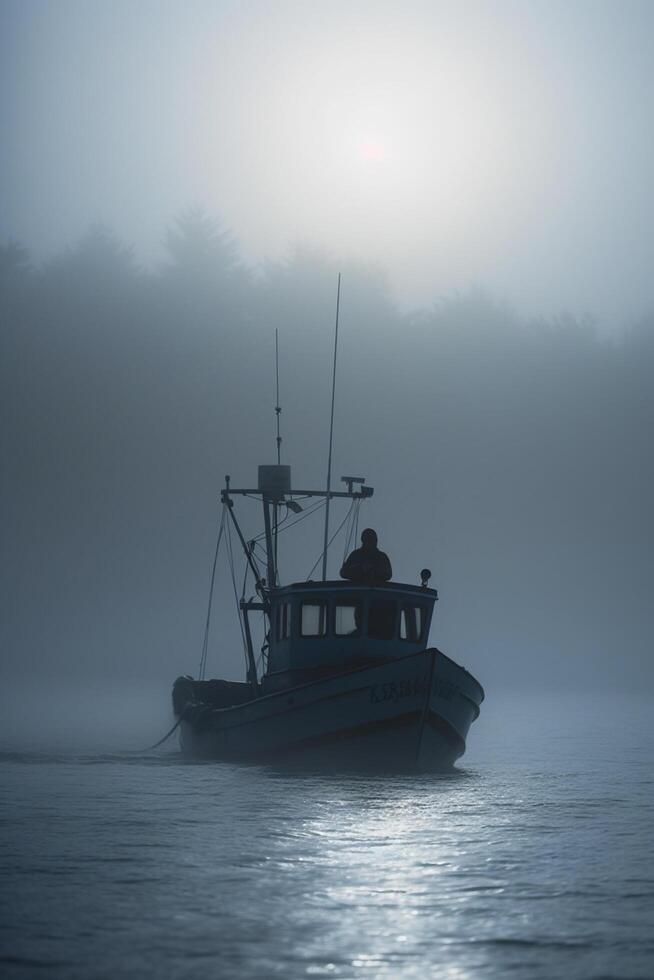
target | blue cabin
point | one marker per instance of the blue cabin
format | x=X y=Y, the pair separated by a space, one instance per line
x=321 y=628
x=315 y=629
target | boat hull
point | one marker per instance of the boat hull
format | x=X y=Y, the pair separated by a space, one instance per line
x=410 y=713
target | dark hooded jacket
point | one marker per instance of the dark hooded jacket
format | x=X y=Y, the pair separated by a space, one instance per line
x=367 y=564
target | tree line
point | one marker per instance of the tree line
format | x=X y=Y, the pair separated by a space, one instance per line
x=517 y=452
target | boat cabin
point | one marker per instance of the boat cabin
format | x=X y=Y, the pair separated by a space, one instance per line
x=320 y=628
x=316 y=629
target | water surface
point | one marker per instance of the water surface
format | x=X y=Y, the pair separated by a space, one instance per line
x=534 y=859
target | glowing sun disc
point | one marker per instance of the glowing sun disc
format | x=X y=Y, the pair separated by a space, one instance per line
x=372 y=150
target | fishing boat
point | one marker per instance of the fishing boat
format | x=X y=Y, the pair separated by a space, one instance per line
x=347 y=675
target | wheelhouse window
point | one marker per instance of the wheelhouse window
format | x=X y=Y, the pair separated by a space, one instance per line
x=313 y=618
x=412 y=623
x=348 y=615
x=381 y=619
x=283 y=620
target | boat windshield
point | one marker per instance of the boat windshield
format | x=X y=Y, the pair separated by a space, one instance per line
x=348 y=616
x=412 y=620
x=313 y=621
x=351 y=615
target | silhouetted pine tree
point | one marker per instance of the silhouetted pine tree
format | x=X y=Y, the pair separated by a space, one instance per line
x=99 y=268
x=199 y=247
x=517 y=453
x=204 y=288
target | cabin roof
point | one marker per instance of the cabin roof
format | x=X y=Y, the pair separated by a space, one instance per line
x=338 y=585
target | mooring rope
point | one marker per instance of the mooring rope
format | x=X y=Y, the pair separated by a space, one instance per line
x=161 y=741
x=166 y=736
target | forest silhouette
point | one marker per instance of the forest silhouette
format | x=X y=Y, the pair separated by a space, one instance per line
x=513 y=456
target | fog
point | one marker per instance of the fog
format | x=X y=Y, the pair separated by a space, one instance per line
x=179 y=181
x=505 y=144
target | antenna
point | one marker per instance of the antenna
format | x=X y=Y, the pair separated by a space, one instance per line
x=278 y=412
x=331 y=436
x=278 y=407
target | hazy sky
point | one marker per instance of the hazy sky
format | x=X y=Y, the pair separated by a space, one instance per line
x=502 y=143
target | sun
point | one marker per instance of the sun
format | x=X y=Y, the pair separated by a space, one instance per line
x=372 y=150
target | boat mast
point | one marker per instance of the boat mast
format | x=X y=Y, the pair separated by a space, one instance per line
x=331 y=437
x=278 y=411
x=270 y=543
x=278 y=407
x=249 y=650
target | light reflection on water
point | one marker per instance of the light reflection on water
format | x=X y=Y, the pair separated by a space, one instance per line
x=535 y=860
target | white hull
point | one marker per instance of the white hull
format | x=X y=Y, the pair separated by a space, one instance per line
x=412 y=712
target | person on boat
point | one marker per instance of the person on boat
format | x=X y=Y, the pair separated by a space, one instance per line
x=367 y=564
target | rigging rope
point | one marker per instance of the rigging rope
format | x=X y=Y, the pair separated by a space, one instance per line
x=205 y=642
x=305 y=514
x=351 y=533
x=233 y=575
x=263 y=656
x=285 y=524
x=320 y=556
x=356 y=523
x=245 y=579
